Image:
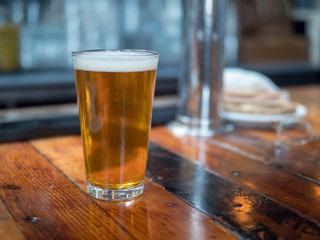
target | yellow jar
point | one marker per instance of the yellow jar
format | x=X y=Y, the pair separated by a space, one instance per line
x=9 y=47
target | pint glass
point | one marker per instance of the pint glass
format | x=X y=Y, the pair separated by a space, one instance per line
x=115 y=91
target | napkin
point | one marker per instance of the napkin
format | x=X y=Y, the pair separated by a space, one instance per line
x=241 y=79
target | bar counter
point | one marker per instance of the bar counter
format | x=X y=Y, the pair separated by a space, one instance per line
x=232 y=186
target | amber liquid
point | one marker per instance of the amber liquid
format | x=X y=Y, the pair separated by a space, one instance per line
x=115 y=114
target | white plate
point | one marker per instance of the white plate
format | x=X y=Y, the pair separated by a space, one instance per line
x=260 y=120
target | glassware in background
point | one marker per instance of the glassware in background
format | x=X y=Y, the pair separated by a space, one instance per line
x=93 y=24
x=153 y=24
x=42 y=33
x=294 y=132
x=200 y=82
x=50 y=29
x=297 y=140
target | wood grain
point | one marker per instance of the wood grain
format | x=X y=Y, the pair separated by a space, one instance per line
x=8 y=227
x=237 y=207
x=301 y=161
x=45 y=204
x=157 y=214
x=43 y=189
x=247 y=156
x=258 y=175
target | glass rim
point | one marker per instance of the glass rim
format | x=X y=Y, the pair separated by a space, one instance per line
x=294 y=142
x=139 y=52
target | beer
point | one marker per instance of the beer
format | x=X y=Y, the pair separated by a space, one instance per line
x=115 y=92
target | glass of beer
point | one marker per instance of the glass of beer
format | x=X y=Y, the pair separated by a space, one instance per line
x=115 y=91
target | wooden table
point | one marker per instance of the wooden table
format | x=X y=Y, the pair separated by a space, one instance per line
x=227 y=187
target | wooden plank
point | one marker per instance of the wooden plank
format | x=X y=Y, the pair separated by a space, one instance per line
x=301 y=161
x=247 y=212
x=239 y=209
x=264 y=178
x=8 y=227
x=157 y=214
x=45 y=204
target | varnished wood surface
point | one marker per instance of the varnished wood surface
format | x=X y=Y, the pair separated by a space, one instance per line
x=247 y=157
x=233 y=186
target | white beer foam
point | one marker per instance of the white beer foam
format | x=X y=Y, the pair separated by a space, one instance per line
x=115 y=61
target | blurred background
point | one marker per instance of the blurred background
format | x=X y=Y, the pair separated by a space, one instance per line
x=279 y=38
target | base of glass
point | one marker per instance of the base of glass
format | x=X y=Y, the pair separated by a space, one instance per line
x=180 y=129
x=115 y=194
